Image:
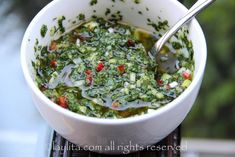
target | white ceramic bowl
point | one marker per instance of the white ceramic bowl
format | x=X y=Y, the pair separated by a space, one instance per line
x=86 y=131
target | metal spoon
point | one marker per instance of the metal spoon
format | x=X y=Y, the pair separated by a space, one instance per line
x=193 y=11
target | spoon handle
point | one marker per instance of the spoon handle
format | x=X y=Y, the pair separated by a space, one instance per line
x=193 y=11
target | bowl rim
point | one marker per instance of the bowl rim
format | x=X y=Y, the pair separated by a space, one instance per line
x=105 y=121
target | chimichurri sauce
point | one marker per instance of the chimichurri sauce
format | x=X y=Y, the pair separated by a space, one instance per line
x=102 y=69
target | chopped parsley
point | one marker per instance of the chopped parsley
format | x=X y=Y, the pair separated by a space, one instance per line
x=108 y=11
x=60 y=24
x=43 y=30
x=136 y=1
x=81 y=16
x=93 y=2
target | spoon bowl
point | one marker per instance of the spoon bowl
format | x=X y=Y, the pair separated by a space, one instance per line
x=169 y=66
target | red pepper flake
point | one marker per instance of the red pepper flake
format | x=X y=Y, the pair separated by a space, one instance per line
x=130 y=43
x=88 y=80
x=100 y=67
x=53 y=46
x=53 y=63
x=62 y=102
x=121 y=68
x=186 y=75
x=160 y=82
x=88 y=72
x=115 y=104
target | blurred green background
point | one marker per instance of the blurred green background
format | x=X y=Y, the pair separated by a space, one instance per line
x=213 y=115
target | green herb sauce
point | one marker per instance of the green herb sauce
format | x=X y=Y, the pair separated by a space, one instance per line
x=102 y=69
